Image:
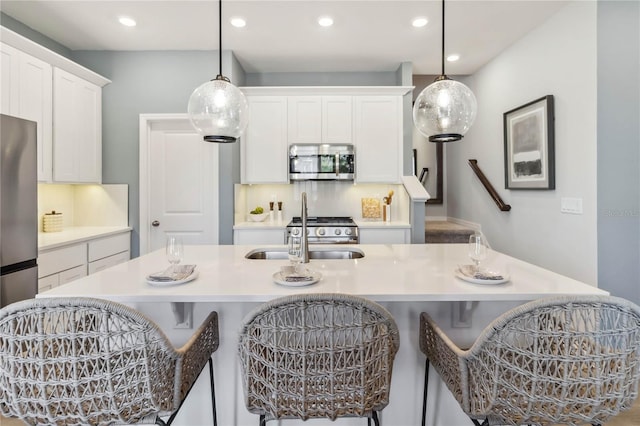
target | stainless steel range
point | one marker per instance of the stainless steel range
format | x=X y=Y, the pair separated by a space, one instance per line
x=326 y=230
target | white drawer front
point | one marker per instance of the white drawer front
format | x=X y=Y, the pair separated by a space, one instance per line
x=107 y=262
x=73 y=274
x=384 y=236
x=47 y=283
x=108 y=246
x=61 y=259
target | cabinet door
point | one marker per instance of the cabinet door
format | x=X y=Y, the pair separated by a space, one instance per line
x=304 y=119
x=36 y=91
x=384 y=236
x=337 y=117
x=108 y=262
x=9 y=80
x=264 y=145
x=26 y=93
x=378 y=138
x=77 y=139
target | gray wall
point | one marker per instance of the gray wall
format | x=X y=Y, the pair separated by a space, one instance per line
x=619 y=148
x=20 y=28
x=548 y=60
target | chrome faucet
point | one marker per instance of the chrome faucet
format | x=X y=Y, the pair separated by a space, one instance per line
x=304 y=239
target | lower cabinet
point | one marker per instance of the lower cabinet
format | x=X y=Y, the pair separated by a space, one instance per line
x=259 y=236
x=61 y=265
x=384 y=236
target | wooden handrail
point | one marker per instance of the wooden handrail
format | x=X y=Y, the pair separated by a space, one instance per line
x=487 y=185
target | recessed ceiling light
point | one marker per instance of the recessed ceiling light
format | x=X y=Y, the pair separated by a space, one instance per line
x=126 y=21
x=419 y=22
x=238 y=22
x=325 y=21
x=453 y=58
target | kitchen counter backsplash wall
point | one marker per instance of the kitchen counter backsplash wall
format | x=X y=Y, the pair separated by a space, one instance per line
x=323 y=199
x=84 y=205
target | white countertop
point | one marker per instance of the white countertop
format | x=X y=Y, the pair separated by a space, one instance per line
x=73 y=235
x=403 y=272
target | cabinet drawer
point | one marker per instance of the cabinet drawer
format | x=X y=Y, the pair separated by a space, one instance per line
x=384 y=236
x=61 y=259
x=259 y=236
x=107 y=262
x=108 y=246
x=47 y=283
x=72 y=274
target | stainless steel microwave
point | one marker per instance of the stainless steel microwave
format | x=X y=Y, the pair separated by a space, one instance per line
x=321 y=162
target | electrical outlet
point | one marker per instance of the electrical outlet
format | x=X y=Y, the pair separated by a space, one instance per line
x=571 y=205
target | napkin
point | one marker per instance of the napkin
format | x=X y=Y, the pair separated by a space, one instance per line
x=293 y=274
x=173 y=273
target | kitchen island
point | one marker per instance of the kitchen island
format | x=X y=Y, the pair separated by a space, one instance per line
x=406 y=279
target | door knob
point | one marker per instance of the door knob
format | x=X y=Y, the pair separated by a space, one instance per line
x=155 y=223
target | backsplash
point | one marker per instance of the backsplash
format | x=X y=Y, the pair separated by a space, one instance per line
x=323 y=199
x=84 y=205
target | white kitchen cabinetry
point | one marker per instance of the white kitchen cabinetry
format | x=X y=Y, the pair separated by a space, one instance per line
x=27 y=90
x=384 y=235
x=109 y=251
x=378 y=137
x=61 y=265
x=259 y=236
x=319 y=119
x=77 y=129
x=264 y=145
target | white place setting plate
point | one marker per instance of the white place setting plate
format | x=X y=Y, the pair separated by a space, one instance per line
x=484 y=276
x=287 y=277
x=169 y=282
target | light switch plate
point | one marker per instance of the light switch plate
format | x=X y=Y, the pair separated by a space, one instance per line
x=571 y=205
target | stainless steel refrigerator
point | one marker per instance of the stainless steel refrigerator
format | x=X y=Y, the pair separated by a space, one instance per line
x=18 y=210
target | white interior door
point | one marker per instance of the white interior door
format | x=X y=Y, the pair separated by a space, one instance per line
x=178 y=183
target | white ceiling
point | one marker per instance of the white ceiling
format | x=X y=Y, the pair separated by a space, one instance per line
x=283 y=36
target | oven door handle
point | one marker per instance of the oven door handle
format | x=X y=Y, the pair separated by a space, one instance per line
x=337 y=161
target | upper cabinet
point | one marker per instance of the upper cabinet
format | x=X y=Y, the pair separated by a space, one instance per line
x=319 y=119
x=370 y=117
x=378 y=139
x=27 y=93
x=64 y=98
x=77 y=130
x=263 y=147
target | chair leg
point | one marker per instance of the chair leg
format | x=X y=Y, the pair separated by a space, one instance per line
x=213 y=393
x=485 y=422
x=424 y=395
x=263 y=420
x=374 y=415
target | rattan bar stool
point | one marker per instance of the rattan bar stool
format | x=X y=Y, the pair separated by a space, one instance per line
x=83 y=361
x=317 y=356
x=564 y=360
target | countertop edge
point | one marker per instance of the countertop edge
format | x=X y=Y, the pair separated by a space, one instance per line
x=77 y=235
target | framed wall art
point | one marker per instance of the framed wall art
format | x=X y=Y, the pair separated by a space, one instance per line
x=529 y=160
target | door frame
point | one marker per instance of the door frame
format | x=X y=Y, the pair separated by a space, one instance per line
x=145 y=124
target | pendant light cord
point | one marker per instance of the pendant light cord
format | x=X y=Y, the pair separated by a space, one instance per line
x=443 y=37
x=220 y=38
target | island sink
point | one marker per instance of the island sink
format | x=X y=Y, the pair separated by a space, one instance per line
x=314 y=253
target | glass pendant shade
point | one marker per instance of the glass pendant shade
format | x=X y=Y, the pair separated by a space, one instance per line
x=218 y=110
x=445 y=110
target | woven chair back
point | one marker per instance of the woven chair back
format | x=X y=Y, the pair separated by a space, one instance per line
x=570 y=360
x=317 y=356
x=82 y=362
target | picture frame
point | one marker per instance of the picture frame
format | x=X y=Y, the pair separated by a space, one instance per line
x=529 y=145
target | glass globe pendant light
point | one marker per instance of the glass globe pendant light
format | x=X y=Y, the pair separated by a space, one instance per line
x=218 y=110
x=445 y=110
